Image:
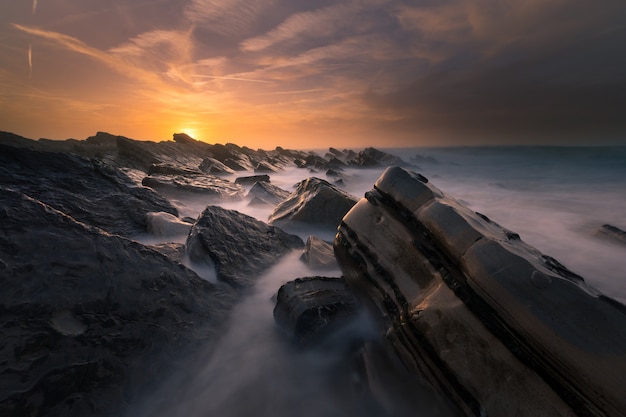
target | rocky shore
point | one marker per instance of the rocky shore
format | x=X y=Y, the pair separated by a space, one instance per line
x=466 y=313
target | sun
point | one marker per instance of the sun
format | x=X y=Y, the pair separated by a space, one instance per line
x=190 y=132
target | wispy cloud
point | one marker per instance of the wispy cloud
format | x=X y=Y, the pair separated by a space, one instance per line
x=228 y=17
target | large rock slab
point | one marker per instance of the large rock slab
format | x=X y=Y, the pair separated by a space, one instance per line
x=497 y=326
x=239 y=246
x=268 y=193
x=206 y=184
x=86 y=189
x=318 y=254
x=88 y=319
x=307 y=309
x=315 y=202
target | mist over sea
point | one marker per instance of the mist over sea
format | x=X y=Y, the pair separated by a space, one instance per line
x=555 y=198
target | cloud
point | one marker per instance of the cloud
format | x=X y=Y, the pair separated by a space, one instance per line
x=227 y=17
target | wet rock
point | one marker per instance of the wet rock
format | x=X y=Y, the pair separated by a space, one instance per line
x=371 y=157
x=87 y=317
x=265 y=167
x=199 y=184
x=174 y=251
x=239 y=246
x=214 y=167
x=252 y=179
x=497 y=326
x=316 y=203
x=308 y=309
x=268 y=193
x=318 y=254
x=88 y=190
x=613 y=233
x=163 y=224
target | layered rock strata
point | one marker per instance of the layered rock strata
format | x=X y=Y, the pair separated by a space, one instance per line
x=495 y=325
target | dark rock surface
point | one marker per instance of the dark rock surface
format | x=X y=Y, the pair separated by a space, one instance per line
x=613 y=233
x=251 y=179
x=371 y=157
x=318 y=254
x=239 y=246
x=315 y=202
x=268 y=193
x=163 y=224
x=215 y=167
x=88 y=319
x=88 y=190
x=498 y=327
x=308 y=309
x=210 y=185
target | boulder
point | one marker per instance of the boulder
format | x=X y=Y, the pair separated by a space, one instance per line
x=315 y=202
x=318 y=254
x=169 y=169
x=265 y=166
x=613 y=233
x=86 y=189
x=198 y=184
x=371 y=157
x=498 y=327
x=308 y=309
x=239 y=246
x=163 y=224
x=174 y=251
x=214 y=167
x=249 y=180
x=89 y=319
x=268 y=193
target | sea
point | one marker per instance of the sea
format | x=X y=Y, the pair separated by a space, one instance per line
x=555 y=198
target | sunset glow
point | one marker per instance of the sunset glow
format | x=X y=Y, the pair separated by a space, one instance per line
x=289 y=73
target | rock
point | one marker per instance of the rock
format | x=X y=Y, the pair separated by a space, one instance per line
x=332 y=173
x=318 y=254
x=87 y=190
x=252 y=179
x=314 y=203
x=239 y=246
x=491 y=322
x=169 y=169
x=371 y=157
x=214 y=167
x=174 y=251
x=163 y=224
x=308 y=309
x=200 y=184
x=613 y=233
x=268 y=193
x=265 y=167
x=89 y=319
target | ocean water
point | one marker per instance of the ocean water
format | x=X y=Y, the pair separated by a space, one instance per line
x=555 y=198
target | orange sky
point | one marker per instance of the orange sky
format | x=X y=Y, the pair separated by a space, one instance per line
x=332 y=73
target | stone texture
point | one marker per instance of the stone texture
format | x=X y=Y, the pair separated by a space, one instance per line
x=239 y=246
x=163 y=224
x=249 y=180
x=86 y=189
x=315 y=203
x=89 y=319
x=318 y=254
x=497 y=326
x=199 y=184
x=613 y=233
x=268 y=193
x=308 y=309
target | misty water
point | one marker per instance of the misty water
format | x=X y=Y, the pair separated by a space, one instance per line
x=555 y=198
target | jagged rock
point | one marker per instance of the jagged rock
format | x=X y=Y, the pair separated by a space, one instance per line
x=203 y=184
x=166 y=225
x=252 y=179
x=268 y=193
x=169 y=169
x=371 y=157
x=265 y=167
x=487 y=319
x=315 y=202
x=309 y=308
x=239 y=246
x=611 y=232
x=318 y=254
x=332 y=173
x=86 y=317
x=87 y=190
x=174 y=251
x=215 y=167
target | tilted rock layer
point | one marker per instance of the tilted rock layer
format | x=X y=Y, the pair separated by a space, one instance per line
x=498 y=327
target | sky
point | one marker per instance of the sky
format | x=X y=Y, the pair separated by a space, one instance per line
x=301 y=73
